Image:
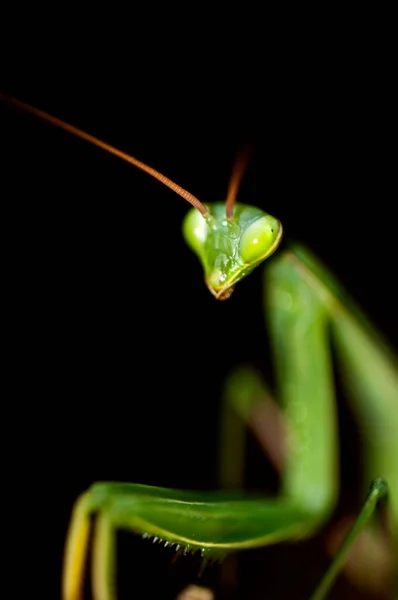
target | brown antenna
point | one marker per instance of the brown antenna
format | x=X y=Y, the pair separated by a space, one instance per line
x=238 y=170
x=111 y=149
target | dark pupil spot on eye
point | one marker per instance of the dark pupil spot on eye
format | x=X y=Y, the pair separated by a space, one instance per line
x=272 y=230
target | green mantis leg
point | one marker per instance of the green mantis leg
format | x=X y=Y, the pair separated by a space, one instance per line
x=76 y=548
x=104 y=553
x=97 y=505
x=378 y=491
x=248 y=404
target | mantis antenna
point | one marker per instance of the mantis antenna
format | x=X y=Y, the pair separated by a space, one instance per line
x=238 y=170
x=196 y=203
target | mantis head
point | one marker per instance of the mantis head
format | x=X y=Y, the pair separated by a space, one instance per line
x=229 y=249
x=231 y=239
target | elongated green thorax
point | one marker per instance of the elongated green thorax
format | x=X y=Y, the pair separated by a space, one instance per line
x=230 y=250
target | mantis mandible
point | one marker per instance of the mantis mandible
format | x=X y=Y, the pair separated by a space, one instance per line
x=304 y=305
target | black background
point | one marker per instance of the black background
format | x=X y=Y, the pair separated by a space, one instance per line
x=117 y=350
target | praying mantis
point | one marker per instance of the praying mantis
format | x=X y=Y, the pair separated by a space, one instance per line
x=304 y=305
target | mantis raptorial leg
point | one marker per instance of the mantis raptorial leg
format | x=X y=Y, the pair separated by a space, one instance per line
x=303 y=304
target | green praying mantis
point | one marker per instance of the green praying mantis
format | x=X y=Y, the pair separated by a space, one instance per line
x=305 y=308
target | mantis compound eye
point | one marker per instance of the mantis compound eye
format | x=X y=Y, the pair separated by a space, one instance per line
x=260 y=239
x=195 y=230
